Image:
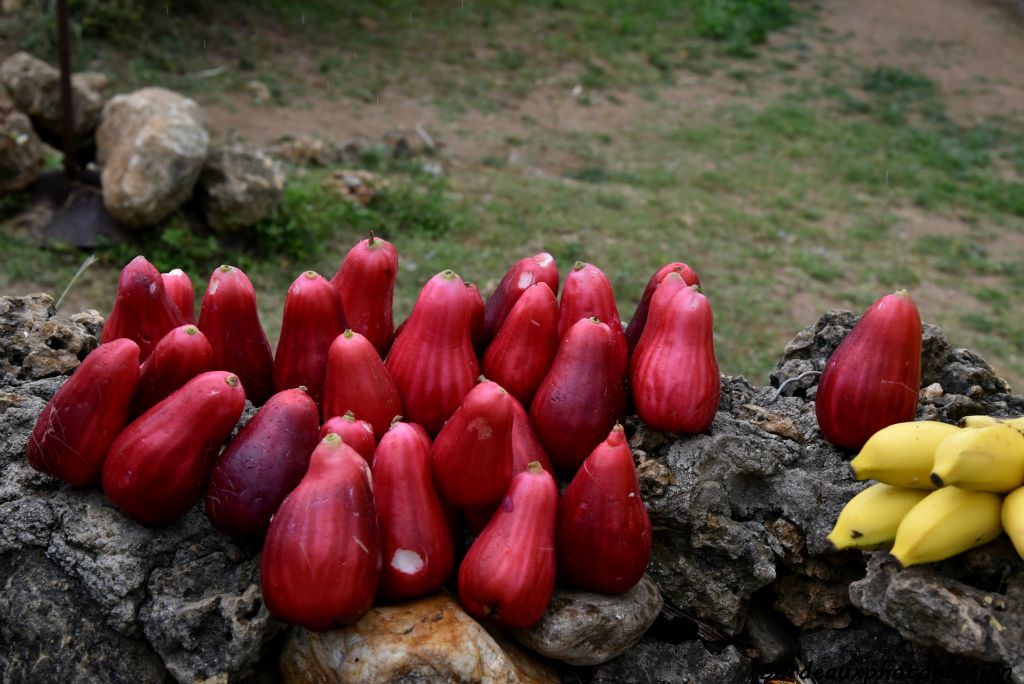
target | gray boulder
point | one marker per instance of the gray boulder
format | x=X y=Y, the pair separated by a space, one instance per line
x=36 y=343
x=152 y=145
x=651 y=662
x=21 y=151
x=238 y=187
x=34 y=88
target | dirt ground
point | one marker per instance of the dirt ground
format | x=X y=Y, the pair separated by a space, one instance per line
x=972 y=49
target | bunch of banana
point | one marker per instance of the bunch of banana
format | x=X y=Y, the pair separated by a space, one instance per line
x=968 y=467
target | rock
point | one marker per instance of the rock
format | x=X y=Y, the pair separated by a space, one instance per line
x=307 y=150
x=686 y=663
x=259 y=90
x=152 y=144
x=771 y=637
x=970 y=605
x=399 y=146
x=238 y=187
x=360 y=187
x=585 y=628
x=36 y=343
x=21 y=151
x=87 y=594
x=34 y=88
x=430 y=639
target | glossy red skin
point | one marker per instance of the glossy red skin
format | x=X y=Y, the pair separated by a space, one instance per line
x=603 y=538
x=358 y=434
x=582 y=397
x=365 y=282
x=142 y=311
x=540 y=268
x=508 y=574
x=231 y=322
x=636 y=324
x=671 y=285
x=872 y=379
x=472 y=455
x=321 y=557
x=262 y=464
x=358 y=381
x=409 y=514
x=477 y=332
x=674 y=375
x=76 y=428
x=312 y=319
x=182 y=294
x=588 y=292
x=180 y=356
x=158 y=467
x=520 y=355
x=432 y=361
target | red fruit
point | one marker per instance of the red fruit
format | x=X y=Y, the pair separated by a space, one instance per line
x=432 y=361
x=521 y=354
x=142 y=310
x=76 y=428
x=674 y=374
x=508 y=574
x=358 y=381
x=477 y=332
x=182 y=294
x=588 y=292
x=583 y=395
x=540 y=268
x=365 y=282
x=262 y=464
x=604 y=532
x=872 y=379
x=416 y=542
x=312 y=319
x=180 y=356
x=231 y=322
x=358 y=434
x=321 y=556
x=472 y=458
x=671 y=285
x=157 y=468
x=636 y=324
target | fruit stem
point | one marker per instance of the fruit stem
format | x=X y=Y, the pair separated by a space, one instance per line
x=535 y=467
x=332 y=439
x=370 y=241
x=396 y=420
x=349 y=416
x=578 y=266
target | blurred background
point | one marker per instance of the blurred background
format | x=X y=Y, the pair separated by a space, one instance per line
x=800 y=156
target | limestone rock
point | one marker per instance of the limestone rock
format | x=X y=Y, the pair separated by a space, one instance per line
x=36 y=343
x=152 y=144
x=585 y=628
x=307 y=150
x=86 y=593
x=970 y=605
x=430 y=639
x=21 y=151
x=686 y=663
x=238 y=187
x=34 y=88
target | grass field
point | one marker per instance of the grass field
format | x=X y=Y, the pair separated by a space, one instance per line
x=739 y=137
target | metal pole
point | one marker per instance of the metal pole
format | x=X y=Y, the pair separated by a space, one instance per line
x=67 y=106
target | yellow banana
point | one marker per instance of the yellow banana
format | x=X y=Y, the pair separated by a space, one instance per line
x=870 y=519
x=1013 y=518
x=982 y=459
x=984 y=421
x=948 y=521
x=901 y=455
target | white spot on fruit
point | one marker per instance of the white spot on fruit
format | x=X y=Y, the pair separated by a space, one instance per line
x=545 y=260
x=152 y=288
x=362 y=545
x=407 y=561
x=481 y=427
x=525 y=280
x=214 y=286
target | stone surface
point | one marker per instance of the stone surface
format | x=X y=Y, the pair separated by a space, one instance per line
x=152 y=144
x=360 y=187
x=970 y=605
x=87 y=594
x=21 y=151
x=770 y=636
x=686 y=663
x=306 y=150
x=34 y=88
x=35 y=343
x=430 y=639
x=585 y=628
x=238 y=187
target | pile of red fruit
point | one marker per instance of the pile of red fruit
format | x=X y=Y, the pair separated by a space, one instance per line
x=369 y=442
